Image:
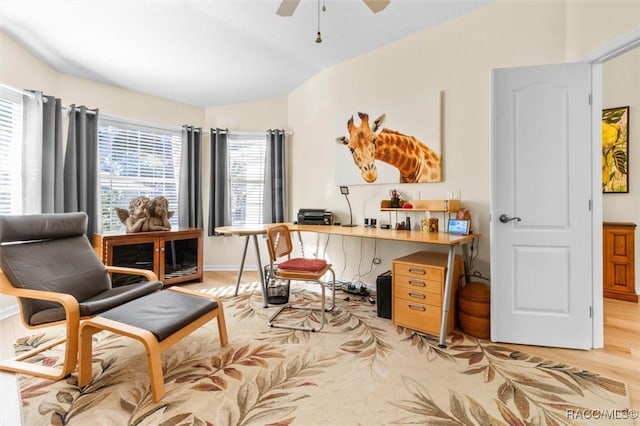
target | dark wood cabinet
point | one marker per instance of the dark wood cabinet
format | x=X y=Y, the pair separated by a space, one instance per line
x=619 y=261
x=175 y=256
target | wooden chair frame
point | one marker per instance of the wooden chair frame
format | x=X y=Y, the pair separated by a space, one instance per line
x=72 y=321
x=153 y=348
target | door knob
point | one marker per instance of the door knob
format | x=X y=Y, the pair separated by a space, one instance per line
x=506 y=219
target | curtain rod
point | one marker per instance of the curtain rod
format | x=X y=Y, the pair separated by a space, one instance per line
x=115 y=118
x=13 y=89
x=89 y=110
x=232 y=132
x=32 y=95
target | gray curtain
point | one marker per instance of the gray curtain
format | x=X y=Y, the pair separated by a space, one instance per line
x=81 y=169
x=42 y=152
x=219 y=201
x=31 y=173
x=52 y=156
x=190 y=191
x=275 y=188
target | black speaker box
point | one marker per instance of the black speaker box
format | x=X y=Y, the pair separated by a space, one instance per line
x=383 y=298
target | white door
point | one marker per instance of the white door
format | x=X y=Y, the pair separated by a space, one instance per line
x=541 y=232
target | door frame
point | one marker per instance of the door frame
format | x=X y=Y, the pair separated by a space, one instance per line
x=596 y=58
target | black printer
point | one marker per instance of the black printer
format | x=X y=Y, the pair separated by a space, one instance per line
x=315 y=217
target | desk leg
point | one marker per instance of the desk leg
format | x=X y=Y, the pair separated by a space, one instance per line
x=244 y=256
x=467 y=264
x=301 y=244
x=260 y=271
x=448 y=286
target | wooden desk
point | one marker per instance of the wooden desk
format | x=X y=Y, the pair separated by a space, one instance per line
x=438 y=238
x=249 y=232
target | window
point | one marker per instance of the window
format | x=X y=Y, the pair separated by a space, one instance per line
x=247 y=154
x=136 y=160
x=10 y=151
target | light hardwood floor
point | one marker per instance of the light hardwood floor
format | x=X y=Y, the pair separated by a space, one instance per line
x=619 y=359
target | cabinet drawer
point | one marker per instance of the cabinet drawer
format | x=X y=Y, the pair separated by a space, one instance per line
x=411 y=283
x=419 y=296
x=417 y=316
x=418 y=271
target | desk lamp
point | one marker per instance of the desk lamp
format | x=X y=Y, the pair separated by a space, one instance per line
x=345 y=191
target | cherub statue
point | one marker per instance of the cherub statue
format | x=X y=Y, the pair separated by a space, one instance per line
x=464 y=214
x=136 y=217
x=159 y=215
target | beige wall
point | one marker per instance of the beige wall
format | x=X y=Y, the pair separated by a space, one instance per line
x=455 y=59
x=621 y=87
x=20 y=69
x=592 y=24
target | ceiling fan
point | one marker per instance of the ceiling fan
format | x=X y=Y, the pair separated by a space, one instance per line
x=287 y=7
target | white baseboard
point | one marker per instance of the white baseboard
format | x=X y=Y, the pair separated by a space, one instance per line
x=225 y=268
x=9 y=311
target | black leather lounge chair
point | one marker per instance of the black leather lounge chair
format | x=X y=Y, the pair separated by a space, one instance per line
x=47 y=262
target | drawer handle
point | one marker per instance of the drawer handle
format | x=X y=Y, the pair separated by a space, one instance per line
x=416 y=307
x=417 y=283
x=417 y=271
x=417 y=295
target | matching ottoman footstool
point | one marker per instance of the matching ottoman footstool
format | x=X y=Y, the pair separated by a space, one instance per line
x=158 y=320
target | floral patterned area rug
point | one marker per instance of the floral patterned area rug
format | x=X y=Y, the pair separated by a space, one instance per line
x=358 y=370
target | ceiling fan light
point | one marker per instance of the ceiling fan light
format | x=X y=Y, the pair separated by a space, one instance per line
x=287 y=7
x=377 y=5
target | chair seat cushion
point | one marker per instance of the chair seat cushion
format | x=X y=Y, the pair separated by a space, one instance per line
x=300 y=264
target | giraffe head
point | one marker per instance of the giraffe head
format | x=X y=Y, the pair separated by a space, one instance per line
x=362 y=144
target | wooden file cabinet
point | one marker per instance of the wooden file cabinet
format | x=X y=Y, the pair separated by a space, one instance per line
x=175 y=256
x=619 y=261
x=418 y=290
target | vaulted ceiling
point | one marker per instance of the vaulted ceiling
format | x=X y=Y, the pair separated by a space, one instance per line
x=212 y=52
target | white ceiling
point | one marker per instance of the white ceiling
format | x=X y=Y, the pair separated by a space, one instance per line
x=210 y=52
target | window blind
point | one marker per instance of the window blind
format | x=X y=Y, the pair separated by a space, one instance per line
x=10 y=151
x=136 y=160
x=247 y=154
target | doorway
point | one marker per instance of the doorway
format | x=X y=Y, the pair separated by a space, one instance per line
x=621 y=87
x=595 y=202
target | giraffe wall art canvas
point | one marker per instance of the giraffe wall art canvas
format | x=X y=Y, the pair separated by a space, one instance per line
x=395 y=144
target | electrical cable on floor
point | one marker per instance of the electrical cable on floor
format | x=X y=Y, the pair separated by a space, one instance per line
x=326 y=244
x=375 y=248
x=358 y=275
x=344 y=258
x=356 y=285
x=342 y=284
x=473 y=256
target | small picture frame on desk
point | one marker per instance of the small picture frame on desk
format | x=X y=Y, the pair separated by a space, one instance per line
x=458 y=226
